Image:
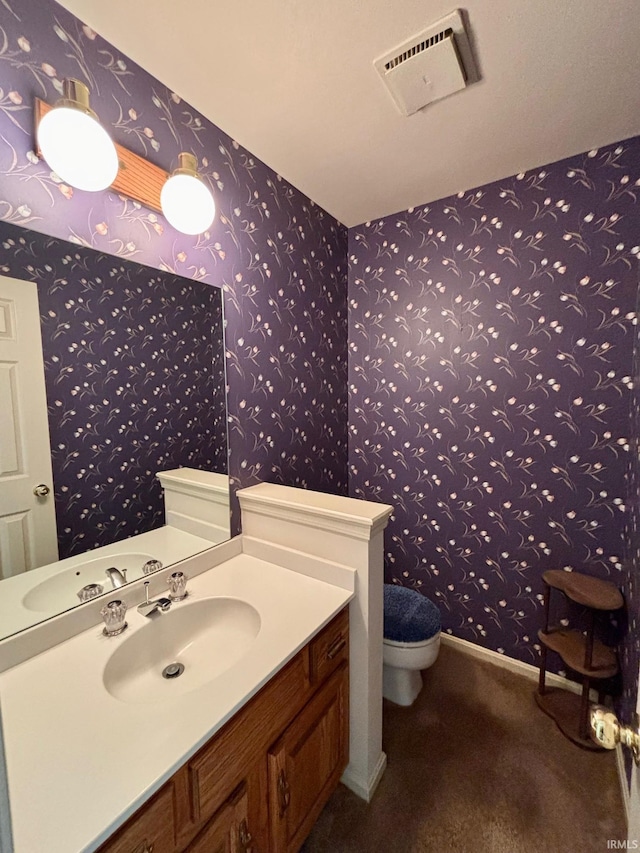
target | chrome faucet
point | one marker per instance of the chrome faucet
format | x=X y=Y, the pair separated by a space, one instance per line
x=117 y=577
x=148 y=608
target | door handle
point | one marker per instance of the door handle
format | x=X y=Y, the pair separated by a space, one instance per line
x=336 y=647
x=244 y=836
x=607 y=732
x=145 y=847
x=284 y=793
x=41 y=491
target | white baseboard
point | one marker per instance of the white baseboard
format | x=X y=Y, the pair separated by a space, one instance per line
x=622 y=778
x=520 y=667
x=365 y=790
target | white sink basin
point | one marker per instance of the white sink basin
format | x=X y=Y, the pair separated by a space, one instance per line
x=207 y=637
x=60 y=591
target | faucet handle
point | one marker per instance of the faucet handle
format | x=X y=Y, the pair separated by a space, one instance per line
x=177 y=582
x=113 y=614
x=91 y=590
x=151 y=566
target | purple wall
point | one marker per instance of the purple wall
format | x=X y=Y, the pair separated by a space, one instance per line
x=280 y=259
x=491 y=342
x=134 y=371
x=490 y=333
x=630 y=650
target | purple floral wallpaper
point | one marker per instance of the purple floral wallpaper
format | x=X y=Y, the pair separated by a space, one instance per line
x=280 y=260
x=630 y=649
x=491 y=341
x=491 y=335
x=134 y=371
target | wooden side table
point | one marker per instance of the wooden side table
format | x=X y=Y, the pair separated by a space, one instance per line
x=581 y=652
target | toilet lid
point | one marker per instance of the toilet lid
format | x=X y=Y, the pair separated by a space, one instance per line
x=409 y=616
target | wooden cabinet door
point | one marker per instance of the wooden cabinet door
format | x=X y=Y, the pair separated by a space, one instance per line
x=306 y=763
x=227 y=831
x=151 y=830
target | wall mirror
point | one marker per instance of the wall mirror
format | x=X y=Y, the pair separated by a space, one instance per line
x=110 y=374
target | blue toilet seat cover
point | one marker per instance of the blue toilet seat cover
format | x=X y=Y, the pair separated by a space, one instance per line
x=409 y=617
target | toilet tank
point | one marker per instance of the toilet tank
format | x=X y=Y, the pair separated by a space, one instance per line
x=197 y=502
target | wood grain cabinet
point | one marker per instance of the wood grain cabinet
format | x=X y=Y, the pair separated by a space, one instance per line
x=306 y=763
x=228 y=829
x=150 y=830
x=260 y=783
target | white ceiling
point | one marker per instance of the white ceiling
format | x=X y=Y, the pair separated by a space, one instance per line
x=293 y=81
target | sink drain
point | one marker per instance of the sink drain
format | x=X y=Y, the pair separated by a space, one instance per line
x=173 y=670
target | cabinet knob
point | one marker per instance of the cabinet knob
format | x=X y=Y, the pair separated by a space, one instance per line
x=244 y=836
x=284 y=792
x=145 y=847
x=336 y=647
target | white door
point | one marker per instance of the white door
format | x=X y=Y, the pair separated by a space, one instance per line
x=27 y=522
x=634 y=797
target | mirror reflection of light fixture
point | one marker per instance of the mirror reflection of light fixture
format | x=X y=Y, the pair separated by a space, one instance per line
x=74 y=143
x=186 y=200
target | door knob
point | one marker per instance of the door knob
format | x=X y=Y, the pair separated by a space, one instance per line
x=41 y=491
x=606 y=730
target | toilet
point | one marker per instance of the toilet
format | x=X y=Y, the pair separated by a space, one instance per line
x=411 y=642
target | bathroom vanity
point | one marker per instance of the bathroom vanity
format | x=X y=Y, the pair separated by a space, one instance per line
x=261 y=782
x=281 y=695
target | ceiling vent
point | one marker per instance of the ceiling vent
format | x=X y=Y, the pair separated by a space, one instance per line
x=433 y=64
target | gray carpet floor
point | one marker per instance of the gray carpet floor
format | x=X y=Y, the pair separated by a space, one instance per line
x=474 y=766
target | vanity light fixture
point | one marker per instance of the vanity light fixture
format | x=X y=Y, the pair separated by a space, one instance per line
x=81 y=152
x=186 y=200
x=74 y=143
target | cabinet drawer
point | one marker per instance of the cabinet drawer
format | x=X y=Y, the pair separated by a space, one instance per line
x=330 y=648
x=151 y=830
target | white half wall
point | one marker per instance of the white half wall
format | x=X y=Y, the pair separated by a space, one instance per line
x=348 y=532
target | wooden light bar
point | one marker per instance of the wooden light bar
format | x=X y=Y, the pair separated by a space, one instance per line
x=137 y=178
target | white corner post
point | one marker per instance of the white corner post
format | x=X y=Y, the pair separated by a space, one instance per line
x=350 y=533
x=196 y=502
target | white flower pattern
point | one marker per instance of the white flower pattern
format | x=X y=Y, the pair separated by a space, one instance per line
x=134 y=373
x=490 y=357
x=491 y=337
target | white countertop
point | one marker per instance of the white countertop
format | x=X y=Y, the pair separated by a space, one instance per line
x=80 y=762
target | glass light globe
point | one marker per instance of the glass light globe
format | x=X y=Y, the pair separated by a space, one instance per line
x=78 y=149
x=187 y=203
